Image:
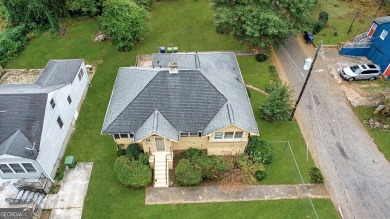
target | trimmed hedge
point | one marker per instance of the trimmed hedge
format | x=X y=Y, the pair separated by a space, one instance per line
x=192 y=154
x=212 y=167
x=12 y=42
x=133 y=173
x=186 y=174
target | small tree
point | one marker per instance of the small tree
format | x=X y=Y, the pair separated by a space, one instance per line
x=278 y=105
x=260 y=151
x=316 y=175
x=132 y=173
x=124 y=21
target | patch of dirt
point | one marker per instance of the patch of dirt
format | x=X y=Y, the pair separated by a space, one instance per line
x=100 y=37
x=20 y=76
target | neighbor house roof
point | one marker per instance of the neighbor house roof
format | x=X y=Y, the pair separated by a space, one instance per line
x=206 y=95
x=382 y=20
x=22 y=108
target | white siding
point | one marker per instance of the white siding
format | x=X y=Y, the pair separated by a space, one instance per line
x=53 y=137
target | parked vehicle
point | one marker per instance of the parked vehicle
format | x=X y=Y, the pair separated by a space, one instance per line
x=361 y=72
x=309 y=37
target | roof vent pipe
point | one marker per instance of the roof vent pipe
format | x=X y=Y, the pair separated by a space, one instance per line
x=173 y=68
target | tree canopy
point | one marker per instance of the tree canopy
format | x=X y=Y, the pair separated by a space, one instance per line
x=124 y=21
x=261 y=23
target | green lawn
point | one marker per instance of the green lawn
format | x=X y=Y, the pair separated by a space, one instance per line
x=188 y=25
x=253 y=72
x=341 y=15
x=381 y=138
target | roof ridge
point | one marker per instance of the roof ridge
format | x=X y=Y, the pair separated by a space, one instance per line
x=230 y=111
x=155 y=120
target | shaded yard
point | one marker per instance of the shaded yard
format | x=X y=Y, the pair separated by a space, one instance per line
x=188 y=25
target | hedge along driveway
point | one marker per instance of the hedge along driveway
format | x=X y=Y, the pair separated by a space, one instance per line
x=186 y=24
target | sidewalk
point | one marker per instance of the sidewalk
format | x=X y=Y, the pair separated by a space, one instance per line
x=69 y=201
x=203 y=194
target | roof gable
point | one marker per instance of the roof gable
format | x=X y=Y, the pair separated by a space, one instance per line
x=19 y=145
x=24 y=113
x=157 y=123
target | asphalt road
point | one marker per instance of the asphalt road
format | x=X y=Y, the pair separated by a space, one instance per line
x=357 y=174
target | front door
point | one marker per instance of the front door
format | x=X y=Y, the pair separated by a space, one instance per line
x=160 y=144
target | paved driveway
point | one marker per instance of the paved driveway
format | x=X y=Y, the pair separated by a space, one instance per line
x=357 y=174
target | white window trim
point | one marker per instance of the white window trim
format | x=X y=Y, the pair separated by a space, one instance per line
x=189 y=134
x=383 y=34
x=67 y=99
x=128 y=136
x=229 y=139
x=63 y=124
x=20 y=164
x=54 y=102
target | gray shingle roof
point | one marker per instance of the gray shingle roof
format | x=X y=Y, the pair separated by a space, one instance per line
x=59 y=72
x=382 y=20
x=157 y=123
x=21 y=121
x=22 y=108
x=206 y=95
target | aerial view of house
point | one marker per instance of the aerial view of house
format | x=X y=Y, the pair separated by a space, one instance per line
x=37 y=118
x=374 y=44
x=183 y=100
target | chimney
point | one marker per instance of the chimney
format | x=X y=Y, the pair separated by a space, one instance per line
x=173 y=68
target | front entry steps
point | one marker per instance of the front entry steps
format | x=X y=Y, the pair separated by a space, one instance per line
x=161 y=169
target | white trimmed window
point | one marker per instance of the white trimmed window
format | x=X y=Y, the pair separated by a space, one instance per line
x=228 y=135
x=81 y=74
x=69 y=99
x=4 y=168
x=52 y=103
x=60 y=123
x=383 y=34
x=190 y=134
x=123 y=136
x=17 y=168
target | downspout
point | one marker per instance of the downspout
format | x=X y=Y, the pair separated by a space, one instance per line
x=45 y=171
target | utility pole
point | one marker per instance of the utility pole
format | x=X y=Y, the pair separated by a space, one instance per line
x=304 y=84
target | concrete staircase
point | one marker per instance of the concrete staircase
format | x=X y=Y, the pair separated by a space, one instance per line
x=161 y=174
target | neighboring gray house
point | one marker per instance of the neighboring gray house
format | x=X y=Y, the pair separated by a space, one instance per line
x=183 y=100
x=36 y=119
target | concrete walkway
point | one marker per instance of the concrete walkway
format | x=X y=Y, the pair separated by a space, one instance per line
x=256 y=89
x=202 y=194
x=69 y=201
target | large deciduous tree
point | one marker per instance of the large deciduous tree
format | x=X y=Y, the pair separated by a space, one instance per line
x=262 y=23
x=85 y=7
x=34 y=14
x=124 y=21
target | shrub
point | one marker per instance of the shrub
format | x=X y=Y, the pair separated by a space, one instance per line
x=124 y=21
x=146 y=4
x=187 y=174
x=192 y=154
x=120 y=152
x=316 y=175
x=261 y=57
x=212 y=167
x=260 y=151
x=241 y=160
x=12 y=42
x=322 y=20
x=132 y=173
x=261 y=174
x=84 y=7
x=133 y=150
x=278 y=105
x=144 y=158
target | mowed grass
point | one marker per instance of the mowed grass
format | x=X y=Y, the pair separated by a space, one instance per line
x=341 y=15
x=188 y=25
x=254 y=72
x=381 y=138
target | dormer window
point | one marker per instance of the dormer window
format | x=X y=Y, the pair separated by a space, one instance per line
x=52 y=103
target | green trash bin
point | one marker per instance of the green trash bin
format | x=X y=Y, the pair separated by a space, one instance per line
x=70 y=161
x=169 y=50
x=175 y=49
